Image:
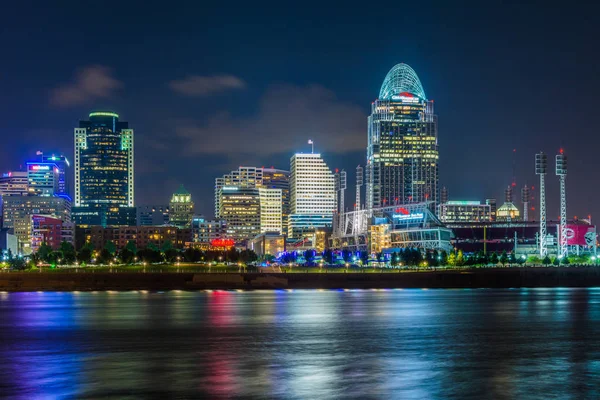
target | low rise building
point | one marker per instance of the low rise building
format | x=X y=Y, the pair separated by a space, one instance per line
x=464 y=211
x=268 y=243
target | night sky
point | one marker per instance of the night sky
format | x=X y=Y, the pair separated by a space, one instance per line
x=209 y=87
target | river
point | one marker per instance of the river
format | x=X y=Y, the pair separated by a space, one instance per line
x=304 y=344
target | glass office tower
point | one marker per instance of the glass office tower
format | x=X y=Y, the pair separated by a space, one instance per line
x=402 y=152
x=104 y=178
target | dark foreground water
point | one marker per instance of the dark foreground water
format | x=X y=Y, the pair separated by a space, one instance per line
x=408 y=344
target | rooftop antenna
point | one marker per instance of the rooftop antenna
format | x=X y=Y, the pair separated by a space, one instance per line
x=312 y=146
x=514 y=167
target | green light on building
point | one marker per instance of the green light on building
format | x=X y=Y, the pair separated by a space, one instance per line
x=104 y=114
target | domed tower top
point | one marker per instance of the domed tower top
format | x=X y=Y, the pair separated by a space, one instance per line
x=400 y=80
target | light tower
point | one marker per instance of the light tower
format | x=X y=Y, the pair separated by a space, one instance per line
x=342 y=190
x=525 y=200
x=541 y=166
x=561 y=171
x=359 y=183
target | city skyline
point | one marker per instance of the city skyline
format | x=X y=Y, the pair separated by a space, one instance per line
x=487 y=105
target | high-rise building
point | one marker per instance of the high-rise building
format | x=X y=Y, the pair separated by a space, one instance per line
x=14 y=183
x=104 y=171
x=312 y=194
x=279 y=179
x=271 y=219
x=454 y=211
x=63 y=165
x=240 y=208
x=181 y=208
x=42 y=178
x=152 y=215
x=402 y=152
x=243 y=177
x=17 y=212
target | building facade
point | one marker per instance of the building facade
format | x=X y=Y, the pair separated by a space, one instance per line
x=312 y=194
x=142 y=236
x=152 y=215
x=271 y=215
x=63 y=175
x=52 y=231
x=279 y=179
x=17 y=212
x=14 y=183
x=204 y=232
x=240 y=208
x=104 y=171
x=243 y=177
x=402 y=152
x=42 y=178
x=181 y=208
x=464 y=211
x=268 y=244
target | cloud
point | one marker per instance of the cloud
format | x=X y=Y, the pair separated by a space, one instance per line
x=195 y=85
x=287 y=117
x=90 y=83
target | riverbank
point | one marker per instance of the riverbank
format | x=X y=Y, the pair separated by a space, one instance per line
x=474 y=278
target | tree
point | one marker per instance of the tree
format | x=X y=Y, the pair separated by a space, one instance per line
x=395 y=259
x=167 y=245
x=566 y=261
x=444 y=258
x=513 y=258
x=309 y=256
x=85 y=255
x=503 y=258
x=192 y=255
x=556 y=261
x=364 y=257
x=494 y=258
x=44 y=252
x=171 y=255
x=460 y=258
x=328 y=256
x=105 y=256
x=452 y=259
x=347 y=255
x=131 y=246
x=68 y=252
x=110 y=247
x=546 y=261
x=17 y=263
x=126 y=256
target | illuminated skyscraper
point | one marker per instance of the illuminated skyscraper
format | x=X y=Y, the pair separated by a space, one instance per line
x=63 y=176
x=43 y=178
x=181 y=208
x=402 y=152
x=312 y=194
x=104 y=189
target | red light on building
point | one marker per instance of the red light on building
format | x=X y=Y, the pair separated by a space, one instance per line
x=222 y=243
x=402 y=210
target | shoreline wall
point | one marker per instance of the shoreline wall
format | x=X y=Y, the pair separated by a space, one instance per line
x=481 y=278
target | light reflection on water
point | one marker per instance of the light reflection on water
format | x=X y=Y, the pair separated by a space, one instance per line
x=411 y=344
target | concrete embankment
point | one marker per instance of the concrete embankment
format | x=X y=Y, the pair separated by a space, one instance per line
x=480 y=278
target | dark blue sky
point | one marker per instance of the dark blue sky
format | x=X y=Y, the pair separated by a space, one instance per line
x=208 y=87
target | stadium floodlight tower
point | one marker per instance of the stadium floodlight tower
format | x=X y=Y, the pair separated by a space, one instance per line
x=561 y=171
x=541 y=167
x=359 y=183
x=525 y=200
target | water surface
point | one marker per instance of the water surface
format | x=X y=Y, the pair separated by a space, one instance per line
x=406 y=344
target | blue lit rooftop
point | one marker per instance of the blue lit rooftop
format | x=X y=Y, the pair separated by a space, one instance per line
x=401 y=79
